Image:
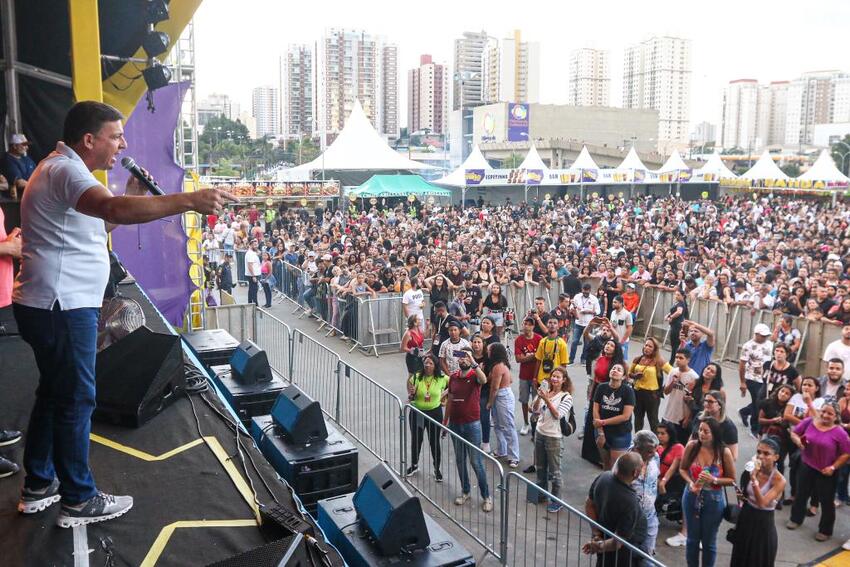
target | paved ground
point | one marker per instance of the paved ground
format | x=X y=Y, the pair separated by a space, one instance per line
x=534 y=537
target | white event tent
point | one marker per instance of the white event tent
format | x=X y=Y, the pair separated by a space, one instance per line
x=584 y=160
x=532 y=160
x=824 y=170
x=457 y=178
x=673 y=163
x=765 y=168
x=715 y=167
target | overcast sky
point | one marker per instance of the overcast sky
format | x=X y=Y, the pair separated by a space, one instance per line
x=237 y=42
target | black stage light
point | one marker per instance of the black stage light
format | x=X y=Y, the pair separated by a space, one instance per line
x=157 y=11
x=155 y=43
x=156 y=76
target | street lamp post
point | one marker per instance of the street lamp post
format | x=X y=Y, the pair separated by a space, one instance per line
x=844 y=155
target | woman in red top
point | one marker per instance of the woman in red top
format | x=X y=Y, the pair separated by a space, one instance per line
x=603 y=364
x=265 y=274
x=411 y=344
x=670 y=483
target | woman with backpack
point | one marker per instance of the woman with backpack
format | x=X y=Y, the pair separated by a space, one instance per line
x=554 y=401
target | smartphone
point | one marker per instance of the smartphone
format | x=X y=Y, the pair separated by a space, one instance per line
x=460 y=354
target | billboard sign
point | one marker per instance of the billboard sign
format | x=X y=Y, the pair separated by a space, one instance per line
x=517 y=122
x=474 y=176
x=533 y=176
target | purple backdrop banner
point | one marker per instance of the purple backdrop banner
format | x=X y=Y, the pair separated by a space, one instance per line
x=155 y=253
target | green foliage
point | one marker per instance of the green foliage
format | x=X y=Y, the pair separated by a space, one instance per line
x=736 y=151
x=840 y=152
x=514 y=160
x=791 y=169
x=227 y=149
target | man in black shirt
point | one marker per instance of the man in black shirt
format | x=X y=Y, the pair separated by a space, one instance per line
x=572 y=285
x=540 y=316
x=613 y=503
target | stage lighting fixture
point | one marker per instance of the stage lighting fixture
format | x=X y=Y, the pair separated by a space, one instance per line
x=155 y=43
x=156 y=76
x=157 y=11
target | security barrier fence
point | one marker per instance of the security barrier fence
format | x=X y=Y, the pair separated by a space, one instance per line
x=510 y=529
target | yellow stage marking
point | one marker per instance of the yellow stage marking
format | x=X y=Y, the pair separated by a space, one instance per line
x=165 y=534
x=840 y=560
x=214 y=446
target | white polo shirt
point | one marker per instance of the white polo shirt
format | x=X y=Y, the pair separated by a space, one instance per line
x=64 y=255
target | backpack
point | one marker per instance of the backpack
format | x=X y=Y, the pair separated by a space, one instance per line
x=568 y=425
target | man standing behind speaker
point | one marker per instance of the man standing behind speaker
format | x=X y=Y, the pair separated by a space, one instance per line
x=66 y=214
x=252 y=271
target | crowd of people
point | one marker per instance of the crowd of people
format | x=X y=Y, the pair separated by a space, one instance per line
x=657 y=424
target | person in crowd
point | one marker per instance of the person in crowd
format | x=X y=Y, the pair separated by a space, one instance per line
x=457 y=307
x=670 y=483
x=596 y=335
x=451 y=349
x=463 y=418
x=10 y=248
x=711 y=378
x=253 y=271
x=488 y=331
x=609 y=355
x=700 y=341
x=225 y=277
x=678 y=388
x=266 y=278
x=622 y=324
x=631 y=299
x=412 y=344
x=841 y=492
x=614 y=504
x=551 y=352
x=832 y=385
x=540 y=315
x=613 y=405
x=440 y=330
x=779 y=371
x=585 y=307
x=755 y=541
x=502 y=402
x=714 y=406
x=754 y=354
x=824 y=448
x=675 y=317
x=562 y=313
x=426 y=390
x=646 y=445
x=785 y=333
x=773 y=425
x=646 y=373
x=481 y=358
x=554 y=401
x=525 y=354
x=413 y=303
x=707 y=466
x=17 y=167
x=495 y=303
x=840 y=349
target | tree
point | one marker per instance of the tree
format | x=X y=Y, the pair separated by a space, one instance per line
x=841 y=154
x=736 y=151
x=791 y=169
x=514 y=160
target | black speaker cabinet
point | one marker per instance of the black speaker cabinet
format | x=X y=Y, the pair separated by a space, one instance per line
x=287 y=552
x=390 y=513
x=250 y=364
x=299 y=416
x=138 y=376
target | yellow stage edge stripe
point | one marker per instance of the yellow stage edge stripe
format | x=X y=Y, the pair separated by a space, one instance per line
x=841 y=559
x=165 y=534
x=234 y=475
x=141 y=454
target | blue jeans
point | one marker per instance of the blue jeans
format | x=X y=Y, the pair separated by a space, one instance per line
x=625 y=347
x=507 y=440
x=57 y=445
x=308 y=297
x=843 y=476
x=471 y=432
x=703 y=514
x=751 y=410
x=485 y=416
x=578 y=331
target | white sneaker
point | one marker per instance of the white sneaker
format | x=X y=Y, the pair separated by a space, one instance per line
x=525 y=429
x=677 y=540
x=487 y=505
x=485 y=447
x=461 y=500
x=846 y=545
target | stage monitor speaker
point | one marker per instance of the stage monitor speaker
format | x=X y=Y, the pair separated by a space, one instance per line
x=299 y=416
x=390 y=513
x=138 y=376
x=287 y=552
x=249 y=364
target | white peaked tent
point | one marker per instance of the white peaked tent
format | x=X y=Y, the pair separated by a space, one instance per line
x=532 y=160
x=765 y=168
x=715 y=166
x=673 y=163
x=358 y=147
x=824 y=170
x=584 y=161
x=457 y=178
x=632 y=161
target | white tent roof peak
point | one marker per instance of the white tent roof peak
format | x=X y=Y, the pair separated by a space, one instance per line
x=824 y=170
x=765 y=168
x=632 y=161
x=716 y=166
x=358 y=147
x=457 y=178
x=673 y=163
x=584 y=161
x=532 y=160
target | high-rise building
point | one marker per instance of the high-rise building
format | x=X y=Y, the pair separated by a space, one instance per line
x=265 y=108
x=589 y=80
x=216 y=105
x=704 y=133
x=354 y=65
x=657 y=75
x=472 y=53
x=428 y=97
x=753 y=114
x=519 y=70
x=820 y=97
x=297 y=104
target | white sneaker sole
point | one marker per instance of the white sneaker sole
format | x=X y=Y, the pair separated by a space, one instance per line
x=70 y=522
x=10 y=442
x=38 y=505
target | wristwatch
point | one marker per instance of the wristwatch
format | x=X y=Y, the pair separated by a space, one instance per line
x=475 y=366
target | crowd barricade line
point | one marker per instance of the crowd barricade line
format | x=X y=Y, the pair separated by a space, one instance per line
x=239 y=258
x=535 y=537
x=274 y=336
x=238 y=320
x=381 y=322
x=485 y=528
x=314 y=368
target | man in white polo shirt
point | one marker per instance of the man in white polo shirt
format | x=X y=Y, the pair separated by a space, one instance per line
x=65 y=216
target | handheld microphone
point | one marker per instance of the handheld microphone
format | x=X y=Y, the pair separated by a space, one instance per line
x=129 y=164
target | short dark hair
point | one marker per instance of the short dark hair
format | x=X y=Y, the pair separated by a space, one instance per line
x=835 y=361
x=87 y=117
x=684 y=352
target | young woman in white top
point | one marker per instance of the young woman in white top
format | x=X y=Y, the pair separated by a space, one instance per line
x=554 y=401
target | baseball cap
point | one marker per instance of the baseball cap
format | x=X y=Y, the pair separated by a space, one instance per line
x=327 y=257
x=762 y=329
x=18 y=139
x=586 y=286
x=631 y=286
x=311 y=253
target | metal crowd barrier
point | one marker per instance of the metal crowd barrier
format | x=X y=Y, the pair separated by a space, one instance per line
x=534 y=537
x=274 y=336
x=314 y=368
x=238 y=320
x=239 y=258
x=733 y=326
x=483 y=527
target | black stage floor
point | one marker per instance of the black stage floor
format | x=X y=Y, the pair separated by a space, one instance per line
x=193 y=498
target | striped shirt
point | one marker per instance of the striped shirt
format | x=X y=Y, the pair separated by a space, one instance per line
x=548 y=424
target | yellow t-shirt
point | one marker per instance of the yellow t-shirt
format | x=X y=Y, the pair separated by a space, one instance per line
x=649 y=379
x=556 y=351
